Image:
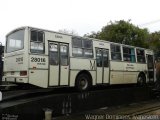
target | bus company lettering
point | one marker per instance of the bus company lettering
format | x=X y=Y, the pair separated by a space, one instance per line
x=58 y=36
x=130 y=66
x=19 y=60
x=101 y=44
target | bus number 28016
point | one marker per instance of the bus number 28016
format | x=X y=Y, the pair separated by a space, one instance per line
x=34 y=59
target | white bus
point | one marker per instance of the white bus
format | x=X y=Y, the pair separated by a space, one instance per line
x=47 y=59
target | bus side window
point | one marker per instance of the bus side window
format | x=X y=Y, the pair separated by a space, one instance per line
x=77 y=50
x=140 y=56
x=115 y=52
x=37 y=42
x=82 y=47
x=88 y=48
x=33 y=36
x=129 y=54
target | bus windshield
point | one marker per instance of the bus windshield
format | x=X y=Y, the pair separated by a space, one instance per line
x=15 y=41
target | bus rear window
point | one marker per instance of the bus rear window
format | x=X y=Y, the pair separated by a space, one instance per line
x=15 y=41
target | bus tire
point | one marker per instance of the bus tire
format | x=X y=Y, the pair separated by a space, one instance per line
x=83 y=82
x=141 y=80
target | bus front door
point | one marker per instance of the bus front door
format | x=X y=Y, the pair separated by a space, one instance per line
x=102 y=61
x=58 y=64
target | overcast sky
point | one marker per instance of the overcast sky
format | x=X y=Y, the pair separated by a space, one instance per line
x=82 y=16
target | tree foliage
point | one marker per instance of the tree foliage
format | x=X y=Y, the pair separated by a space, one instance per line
x=122 y=32
x=154 y=42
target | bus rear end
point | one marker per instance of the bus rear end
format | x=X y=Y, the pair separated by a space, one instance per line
x=16 y=57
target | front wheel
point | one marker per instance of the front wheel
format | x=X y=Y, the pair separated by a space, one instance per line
x=83 y=82
x=141 y=81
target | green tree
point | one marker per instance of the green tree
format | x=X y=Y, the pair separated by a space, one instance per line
x=154 y=40
x=154 y=43
x=123 y=32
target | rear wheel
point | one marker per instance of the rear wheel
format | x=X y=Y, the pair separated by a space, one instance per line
x=83 y=82
x=141 y=79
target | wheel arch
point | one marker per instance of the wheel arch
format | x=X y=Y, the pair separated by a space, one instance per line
x=141 y=73
x=85 y=72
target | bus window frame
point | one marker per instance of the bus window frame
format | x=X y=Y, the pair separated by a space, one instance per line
x=60 y=56
x=115 y=45
x=82 y=48
x=141 y=55
x=7 y=40
x=43 y=51
x=128 y=54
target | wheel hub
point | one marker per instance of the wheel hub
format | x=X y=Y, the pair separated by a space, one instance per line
x=83 y=83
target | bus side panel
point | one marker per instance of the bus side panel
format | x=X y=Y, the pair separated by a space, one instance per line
x=130 y=77
x=78 y=64
x=130 y=72
x=13 y=64
x=82 y=64
x=141 y=67
x=117 y=72
x=38 y=78
x=38 y=70
x=93 y=74
x=73 y=75
x=116 y=77
x=38 y=62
